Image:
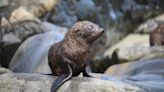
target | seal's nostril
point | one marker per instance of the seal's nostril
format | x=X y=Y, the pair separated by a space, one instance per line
x=102 y=30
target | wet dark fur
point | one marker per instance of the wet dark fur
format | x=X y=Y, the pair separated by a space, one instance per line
x=157 y=36
x=70 y=56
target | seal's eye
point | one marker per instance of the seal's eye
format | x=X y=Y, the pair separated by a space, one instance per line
x=77 y=30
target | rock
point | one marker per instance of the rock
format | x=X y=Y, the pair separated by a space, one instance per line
x=17 y=15
x=51 y=27
x=86 y=10
x=20 y=26
x=147 y=27
x=135 y=47
x=96 y=85
x=4 y=3
x=4 y=70
x=13 y=35
x=121 y=17
x=15 y=30
x=24 y=82
x=20 y=14
x=130 y=69
x=6 y=8
x=130 y=41
x=35 y=7
x=64 y=13
x=68 y=12
x=4 y=22
x=18 y=82
x=147 y=74
x=150 y=24
x=38 y=7
x=160 y=17
x=31 y=57
x=140 y=53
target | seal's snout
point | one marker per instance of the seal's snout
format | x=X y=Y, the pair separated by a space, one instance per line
x=102 y=30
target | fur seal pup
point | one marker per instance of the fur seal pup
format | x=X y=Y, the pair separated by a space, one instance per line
x=70 y=56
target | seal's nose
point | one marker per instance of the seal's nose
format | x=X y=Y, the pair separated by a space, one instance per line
x=102 y=30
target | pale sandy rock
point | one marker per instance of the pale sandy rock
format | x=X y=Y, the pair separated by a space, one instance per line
x=150 y=24
x=20 y=14
x=38 y=7
x=132 y=40
x=140 y=53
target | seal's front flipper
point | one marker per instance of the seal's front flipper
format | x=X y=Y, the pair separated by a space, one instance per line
x=86 y=72
x=59 y=81
x=62 y=79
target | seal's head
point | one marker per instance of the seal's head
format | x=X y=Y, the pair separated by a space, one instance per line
x=87 y=31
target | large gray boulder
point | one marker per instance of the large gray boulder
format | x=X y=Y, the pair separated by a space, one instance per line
x=147 y=74
x=31 y=56
x=18 y=82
